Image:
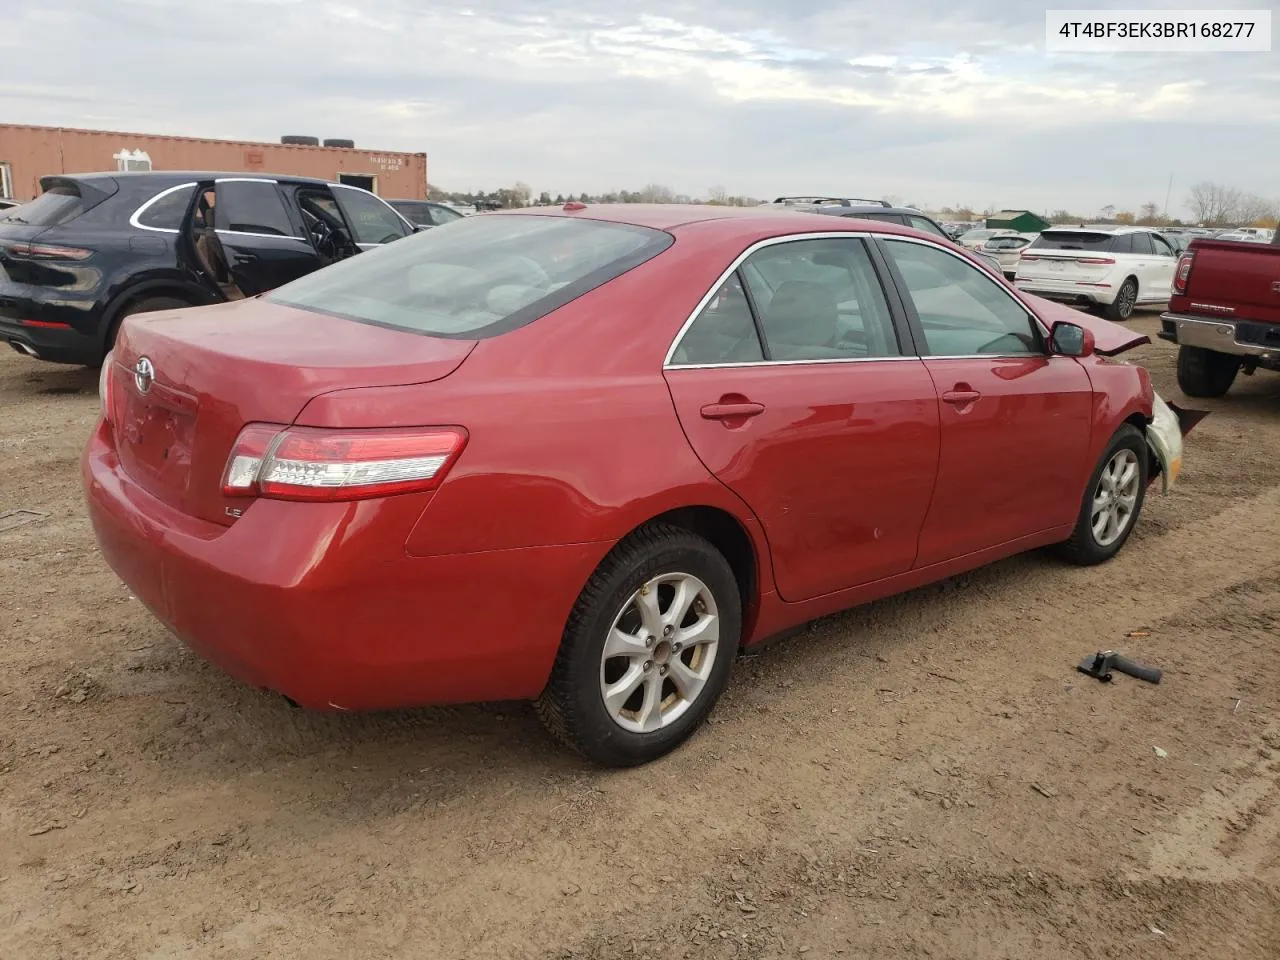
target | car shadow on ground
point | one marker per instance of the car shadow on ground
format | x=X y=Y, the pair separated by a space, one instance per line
x=54 y=379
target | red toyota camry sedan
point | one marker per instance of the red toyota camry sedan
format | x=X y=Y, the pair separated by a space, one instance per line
x=583 y=455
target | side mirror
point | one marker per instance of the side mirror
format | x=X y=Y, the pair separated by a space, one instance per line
x=1070 y=340
x=419 y=227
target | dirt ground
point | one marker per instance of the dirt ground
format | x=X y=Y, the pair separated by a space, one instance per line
x=923 y=777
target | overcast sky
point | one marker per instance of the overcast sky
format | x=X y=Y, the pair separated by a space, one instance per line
x=933 y=101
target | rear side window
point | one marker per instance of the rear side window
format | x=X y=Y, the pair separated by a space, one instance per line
x=58 y=204
x=481 y=277
x=723 y=332
x=250 y=206
x=443 y=215
x=1075 y=240
x=418 y=213
x=928 y=226
x=166 y=210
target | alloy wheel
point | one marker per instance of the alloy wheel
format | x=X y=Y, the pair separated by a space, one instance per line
x=1115 y=497
x=660 y=652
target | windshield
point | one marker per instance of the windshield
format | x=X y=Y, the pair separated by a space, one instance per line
x=481 y=277
x=56 y=205
x=1074 y=240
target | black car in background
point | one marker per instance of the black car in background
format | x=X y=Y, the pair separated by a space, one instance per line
x=425 y=213
x=94 y=248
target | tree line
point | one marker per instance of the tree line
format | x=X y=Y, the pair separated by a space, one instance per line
x=1211 y=205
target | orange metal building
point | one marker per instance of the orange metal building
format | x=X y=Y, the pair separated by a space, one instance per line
x=28 y=153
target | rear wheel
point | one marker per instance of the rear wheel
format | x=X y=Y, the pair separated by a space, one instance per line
x=1112 y=501
x=1205 y=373
x=142 y=305
x=647 y=650
x=1121 y=308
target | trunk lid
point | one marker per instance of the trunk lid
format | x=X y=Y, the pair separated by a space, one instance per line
x=215 y=369
x=1233 y=280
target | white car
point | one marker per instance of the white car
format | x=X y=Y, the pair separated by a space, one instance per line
x=974 y=239
x=1114 y=268
x=1007 y=250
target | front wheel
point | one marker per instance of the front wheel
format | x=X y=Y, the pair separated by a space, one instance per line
x=647 y=650
x=1112 y=501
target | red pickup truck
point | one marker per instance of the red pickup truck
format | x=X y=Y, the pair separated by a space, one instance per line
x=1224 y=314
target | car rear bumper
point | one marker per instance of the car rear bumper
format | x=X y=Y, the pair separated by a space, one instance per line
x=1067 y=291
x=1242 y=338
x=61 y=331
x=321 y=603
x=57 y=344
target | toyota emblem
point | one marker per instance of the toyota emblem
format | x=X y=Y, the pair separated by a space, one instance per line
x=144 y=374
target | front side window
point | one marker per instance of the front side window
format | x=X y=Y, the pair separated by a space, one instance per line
x=167 y=210
x=371 y=220
x=1162 y=246
x=723 y=331
x=481 y=277
x=961 y=309
x=250 y=206
x=820 y=300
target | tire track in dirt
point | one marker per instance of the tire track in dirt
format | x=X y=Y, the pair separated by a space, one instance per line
x=751 y=771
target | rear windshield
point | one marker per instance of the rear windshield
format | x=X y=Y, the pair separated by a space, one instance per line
x=1075 y=240
x=481 y=277
x=56 y=205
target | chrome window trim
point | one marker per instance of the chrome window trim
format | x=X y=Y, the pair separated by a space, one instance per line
x=829 y=235
x=245 y=180
x=133 y=220
x=265 y=236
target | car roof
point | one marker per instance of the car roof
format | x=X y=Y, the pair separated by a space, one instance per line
x=184 y=176
x=746 y=222
x=1100 y=228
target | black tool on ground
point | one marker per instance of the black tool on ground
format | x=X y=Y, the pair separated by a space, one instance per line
x=1100 y=665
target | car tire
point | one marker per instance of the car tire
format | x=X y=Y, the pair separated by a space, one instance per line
x=652 y=647
x=1206 y=373
x=1111 y=495
x=1121 y=308
x=141 y=305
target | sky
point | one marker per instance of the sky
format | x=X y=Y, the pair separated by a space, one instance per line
x=933 y=102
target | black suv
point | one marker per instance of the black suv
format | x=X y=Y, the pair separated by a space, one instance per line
x=95 y=248
x=880 y=210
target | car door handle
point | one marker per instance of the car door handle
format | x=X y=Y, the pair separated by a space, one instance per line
x=730 y=411
x=243 y=257
x=959 y=397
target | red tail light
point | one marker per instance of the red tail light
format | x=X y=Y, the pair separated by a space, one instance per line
x=314 y=463
x=1182 y=273
x=44 y=251
x=1096 y=260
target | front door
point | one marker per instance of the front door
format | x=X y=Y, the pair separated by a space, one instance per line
x=1163 y=265
x=1015 y=421
x=795 y=390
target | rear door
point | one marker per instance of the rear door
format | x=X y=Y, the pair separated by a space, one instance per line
x=372 y=221
x=795 y=389
x=255 y=246
x=1015 y=421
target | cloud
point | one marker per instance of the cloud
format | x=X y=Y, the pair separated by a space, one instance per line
x=938 y=102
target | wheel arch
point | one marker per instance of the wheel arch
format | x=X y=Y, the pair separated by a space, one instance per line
x=730 y=536
x=178 y=289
